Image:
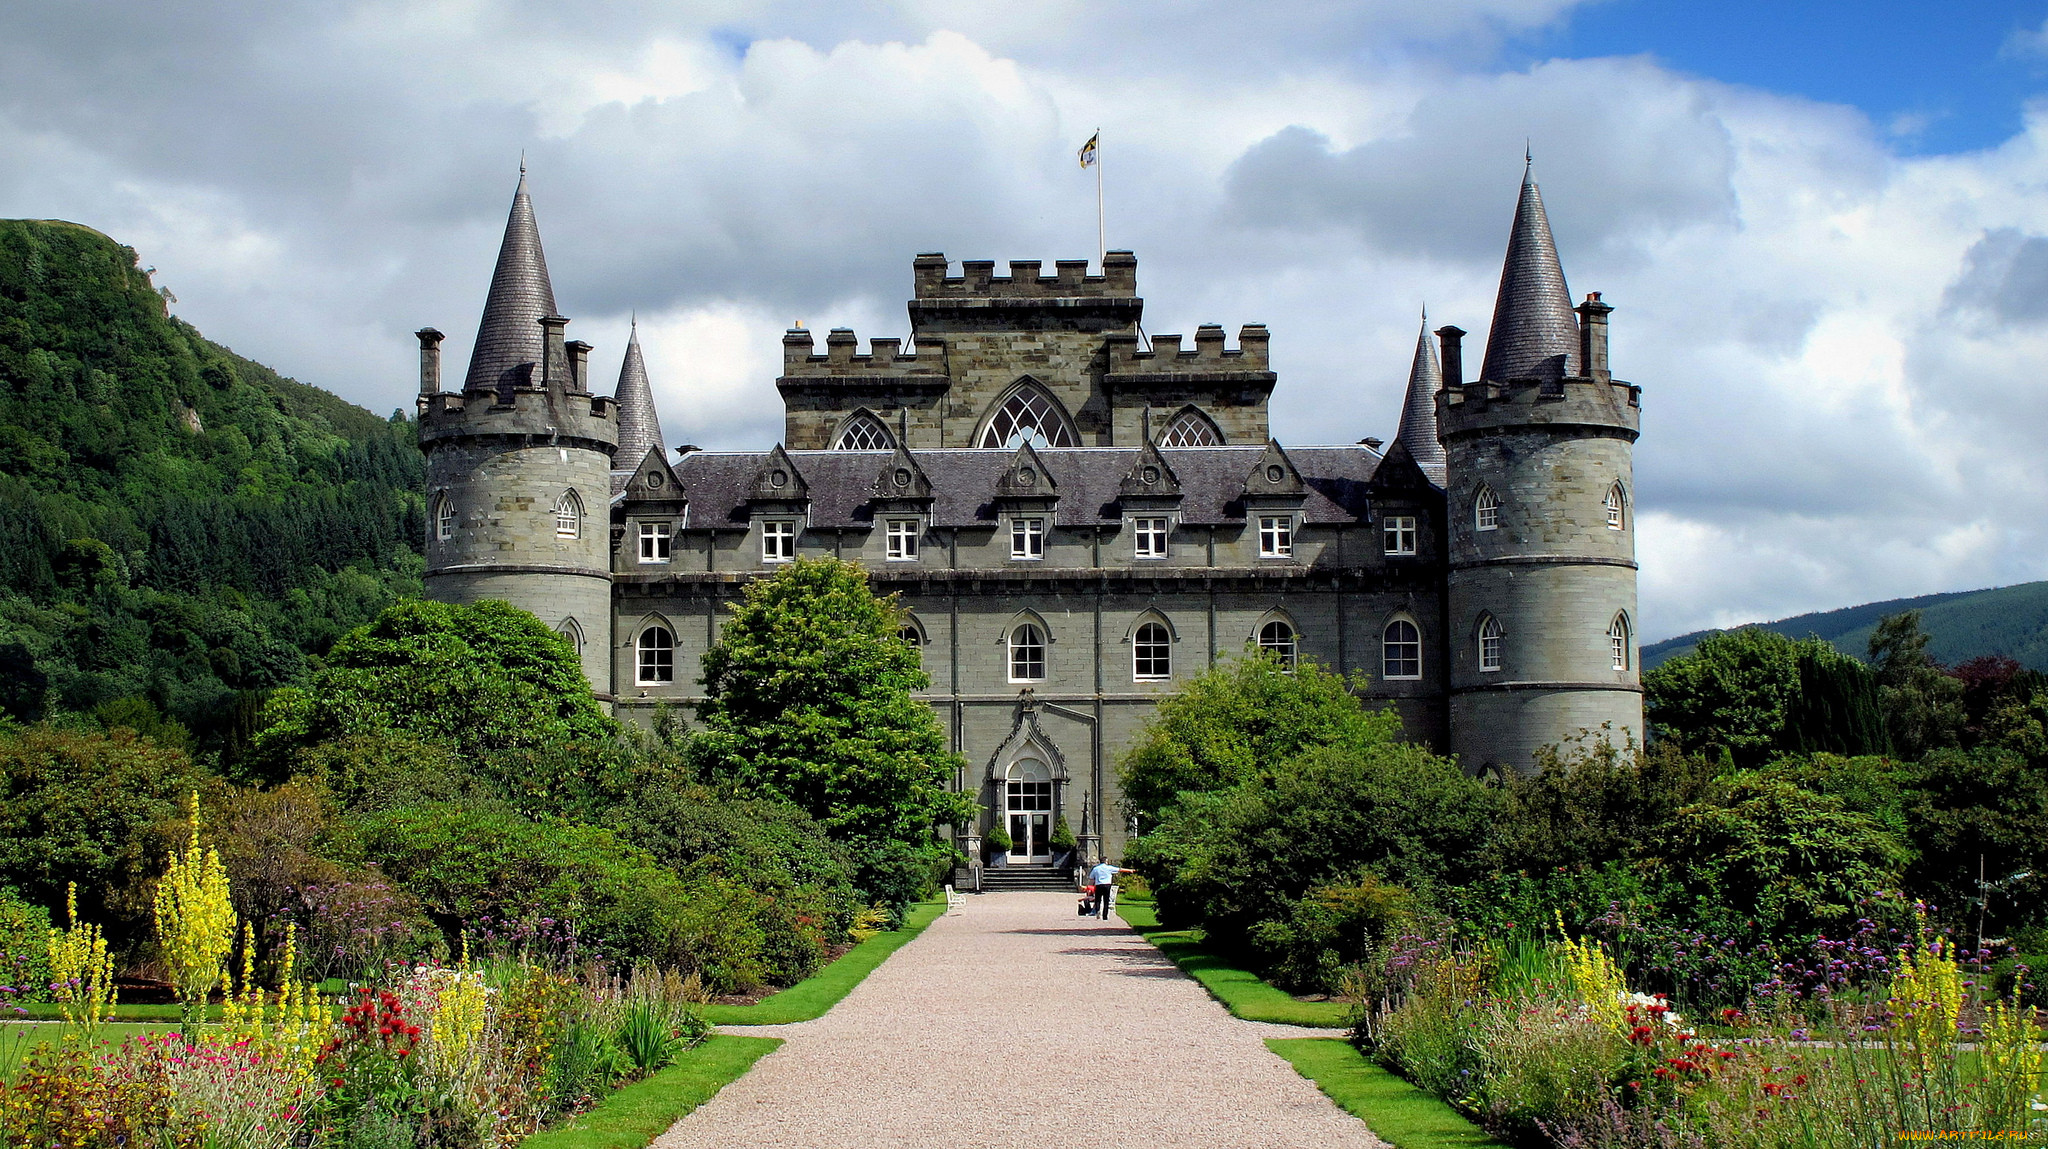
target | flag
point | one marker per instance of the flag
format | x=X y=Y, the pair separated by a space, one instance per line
x=1088 y=156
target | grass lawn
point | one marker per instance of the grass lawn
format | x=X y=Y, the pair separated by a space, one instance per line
x=1241 y=991
x=51 y=1012
x=814 y=995
x=16 y=1040
x=1401 y=1114
x=637 y=1114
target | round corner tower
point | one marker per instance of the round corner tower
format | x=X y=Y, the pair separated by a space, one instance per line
x=519 y=461
x=1540 y=497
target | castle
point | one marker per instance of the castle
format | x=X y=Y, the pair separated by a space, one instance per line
x=1076 y=518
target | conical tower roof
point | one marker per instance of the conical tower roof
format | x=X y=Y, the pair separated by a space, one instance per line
x=510 y=333
x=639 y=425
x=1534 y=335
x=1418 y=411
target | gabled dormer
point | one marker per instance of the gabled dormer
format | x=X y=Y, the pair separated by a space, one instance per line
x=653 y=480
x=901 y=484
x=1150 y=483
x=779 y=482
x=1026 y=482
x=1274 y=482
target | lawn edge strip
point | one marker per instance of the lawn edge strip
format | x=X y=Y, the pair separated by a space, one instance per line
x=1397 y=1112
x=811 y=997
x=631 y=1117
x=1241 y=991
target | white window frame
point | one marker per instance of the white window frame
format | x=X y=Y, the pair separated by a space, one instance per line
x=903 y=536
x=643 y=663
x=1486 y=510
x=1489 y=645
x=1014 y=648
x=654 y=542
x=1161 y=656
x=1616 y=505
x=569 y=516
x=1386 y=650
x=1151 y=537
x=444 y=518
x=1399 y=534
x=1289 y=652
x=1276 y=536
x=1027 y=538
x=1618 y=642
x=778 y=540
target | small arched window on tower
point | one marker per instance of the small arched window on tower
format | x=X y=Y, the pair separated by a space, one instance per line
x=1027 y=653
x=1617 y=507
x=657 y=656
x=1617 y=641
x=1486 y=510
x=864 y=432
x=1151 y=653
x=1489 y=644
x=1278 y=639
x=1191 y=428
x=568 y=516
x=571 y=634
x=444 y=518
x=1401 y=649
x=1030 y=415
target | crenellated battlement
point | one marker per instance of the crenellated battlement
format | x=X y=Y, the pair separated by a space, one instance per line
x=1027 y=279
x=1572 y=401
x=1207 y=355
x=885 y=356
x=570 y=418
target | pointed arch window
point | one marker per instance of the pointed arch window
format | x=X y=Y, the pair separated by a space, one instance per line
x=1401 y=649
x=571 y=634
x=657 y=656
x=1278 y=638
x=1030 y=415
x=1027 y=653
x=1489 y=644
x=864 y=432
x=1617 y=641
x=568 y=516
x=1151 y=653
x=1191 y=428
x=444 y=518
x=1486 y=510
x=1617 y=507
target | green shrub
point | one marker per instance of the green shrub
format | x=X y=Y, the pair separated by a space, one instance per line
x=1307 y=947
x=24 y=950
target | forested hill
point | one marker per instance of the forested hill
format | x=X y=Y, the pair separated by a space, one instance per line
x=180 y=528
x=2007 y=620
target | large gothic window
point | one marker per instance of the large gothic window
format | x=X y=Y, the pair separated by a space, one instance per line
x=1191 y=428
x=568 y=516
x=1030 y=415
x=864 y=432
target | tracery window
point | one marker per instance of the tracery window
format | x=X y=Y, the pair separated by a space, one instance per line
x=657 y=656
x=865 y=433
x=1401 y=649
x=1616 y=508
x=1151 y=653
x=1489 y=643
x=1278 y=639
x=1030 y=415
x=1027 y=653
x=1617 y=641
x=1191 y=428
x=568 y=516
x=444 y=518
x=1486 y=510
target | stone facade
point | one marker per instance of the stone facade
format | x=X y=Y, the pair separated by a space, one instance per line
x=1077 y=520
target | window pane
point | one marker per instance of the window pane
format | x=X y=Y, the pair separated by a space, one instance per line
x=1191 y=428
x=657 y=651
x=865 y=433
x=1033 y=416
x=1152 y=652
x=1279 y=638
x=1027 y=654
x=1401 y=648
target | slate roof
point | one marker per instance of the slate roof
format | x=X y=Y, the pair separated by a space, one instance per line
x=963 y=480
x=510 y=333
x=1534 y=333
x=1418 y=410
x=639 y=424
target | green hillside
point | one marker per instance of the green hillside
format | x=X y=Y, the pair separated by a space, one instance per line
x=2008 y=620
x=180 y=528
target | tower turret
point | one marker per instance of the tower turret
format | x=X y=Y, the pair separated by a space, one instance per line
x=519 y=462
x=1540 y=494
x=639 y=424
x=1418 y=431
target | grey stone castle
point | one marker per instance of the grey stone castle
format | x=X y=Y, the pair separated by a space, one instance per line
x=1076 y=518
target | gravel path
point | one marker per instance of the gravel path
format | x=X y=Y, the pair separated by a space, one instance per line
x=995 y=1026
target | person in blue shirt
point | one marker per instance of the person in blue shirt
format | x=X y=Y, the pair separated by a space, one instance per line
x=1103 y=878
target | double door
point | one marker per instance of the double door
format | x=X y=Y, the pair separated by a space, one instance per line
x=1030 y=813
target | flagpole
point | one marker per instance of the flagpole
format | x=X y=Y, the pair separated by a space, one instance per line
x=1101 y=233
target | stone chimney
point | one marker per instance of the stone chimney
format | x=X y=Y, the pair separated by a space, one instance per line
x=1593 y=337
x=1453 y=354
x=430 y=360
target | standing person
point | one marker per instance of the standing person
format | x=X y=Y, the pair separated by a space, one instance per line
x=1103 y=878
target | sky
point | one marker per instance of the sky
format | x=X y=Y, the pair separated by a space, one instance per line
x=1823 y=226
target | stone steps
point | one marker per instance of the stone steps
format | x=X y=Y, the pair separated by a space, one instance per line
x=1014 y=879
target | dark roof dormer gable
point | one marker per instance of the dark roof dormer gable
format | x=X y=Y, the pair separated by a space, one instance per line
x=1274 y=480
x=901 y=481
x=1026 y=480
x=779 y=481
x=654 y=480
x=1150 y=481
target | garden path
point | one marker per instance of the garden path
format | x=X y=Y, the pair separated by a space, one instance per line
x=1013 y=1022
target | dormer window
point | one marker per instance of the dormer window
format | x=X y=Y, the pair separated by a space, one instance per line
x=902 y=539
x=654 y=540
x=1148 y=538
x=778 y=541
x=1027 y=538
x=1276 y=536
x=1398 y=533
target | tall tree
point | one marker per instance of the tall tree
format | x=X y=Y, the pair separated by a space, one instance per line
x=1923 y=703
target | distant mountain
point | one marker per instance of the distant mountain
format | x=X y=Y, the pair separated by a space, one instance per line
x=2007 y=620
x=181 y=528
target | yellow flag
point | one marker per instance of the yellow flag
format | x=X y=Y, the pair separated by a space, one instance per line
x=1088 y=150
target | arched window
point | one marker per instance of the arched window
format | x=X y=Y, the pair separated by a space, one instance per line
x=444 y=518
x=571 y=634
x=568 y=516
x=1151 y=653
x=1191 y=428
x=864 y=432
x=1489 y=643
x=1401 y=649
x=1278 y=639
x=1617 y=507
x=1617 y=641
x=1030 y=415
x=1486 y=510
x=657 y=651
x=1027 y=653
